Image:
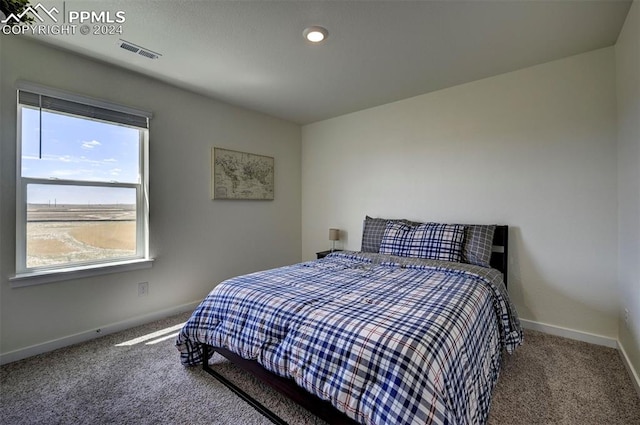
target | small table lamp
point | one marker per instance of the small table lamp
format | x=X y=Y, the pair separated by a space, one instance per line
x=334 y=235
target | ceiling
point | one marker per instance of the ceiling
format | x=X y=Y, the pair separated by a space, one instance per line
x=252 y=53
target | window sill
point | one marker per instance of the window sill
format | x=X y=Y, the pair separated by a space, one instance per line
x=38 y=278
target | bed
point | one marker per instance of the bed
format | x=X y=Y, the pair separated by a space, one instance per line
x=397 y=333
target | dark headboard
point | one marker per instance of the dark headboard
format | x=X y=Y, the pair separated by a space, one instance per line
x=499 y=256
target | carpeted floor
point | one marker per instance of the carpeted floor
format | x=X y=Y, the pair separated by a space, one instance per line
x=133 y=377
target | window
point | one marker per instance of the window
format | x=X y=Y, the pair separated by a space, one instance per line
x=81 y=182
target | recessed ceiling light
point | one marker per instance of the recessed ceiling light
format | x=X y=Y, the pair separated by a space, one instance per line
x=315 y=34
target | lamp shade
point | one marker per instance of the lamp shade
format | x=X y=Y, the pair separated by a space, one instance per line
x=334 y=234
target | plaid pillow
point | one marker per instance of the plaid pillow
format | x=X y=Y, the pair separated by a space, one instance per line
x=478 y=241
x=431 y=240
x=373 y=230
x=372 y=233
x=393 y=238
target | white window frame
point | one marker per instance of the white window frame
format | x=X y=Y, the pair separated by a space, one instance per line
x=35 y=275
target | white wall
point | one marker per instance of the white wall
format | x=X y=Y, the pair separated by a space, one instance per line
x=196 y=242
x=628 y=88
x=534 y=149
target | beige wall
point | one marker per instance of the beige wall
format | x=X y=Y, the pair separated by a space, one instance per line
x=196 y=242
x=628 y=84
x=534 y=149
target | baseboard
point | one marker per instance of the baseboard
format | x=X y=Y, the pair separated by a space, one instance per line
x=627 y=363
x=570 y=333
x=45 y=347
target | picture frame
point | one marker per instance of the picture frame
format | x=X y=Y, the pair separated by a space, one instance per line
x=239 y=175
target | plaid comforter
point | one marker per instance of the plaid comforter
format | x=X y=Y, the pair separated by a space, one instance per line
x=387 y=340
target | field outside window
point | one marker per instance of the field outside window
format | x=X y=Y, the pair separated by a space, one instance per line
x=63 y=231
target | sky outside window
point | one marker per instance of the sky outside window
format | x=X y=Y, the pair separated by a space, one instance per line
x=78 y=149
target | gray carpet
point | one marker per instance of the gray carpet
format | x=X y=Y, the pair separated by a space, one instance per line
x=549 y=380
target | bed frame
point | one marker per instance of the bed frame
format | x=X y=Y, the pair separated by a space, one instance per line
x=499 y=254
x=321 y=408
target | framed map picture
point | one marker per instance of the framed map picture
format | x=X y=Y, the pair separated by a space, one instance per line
x=241 y=175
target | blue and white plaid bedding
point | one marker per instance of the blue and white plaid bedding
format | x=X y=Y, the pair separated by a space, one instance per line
x=387 y=340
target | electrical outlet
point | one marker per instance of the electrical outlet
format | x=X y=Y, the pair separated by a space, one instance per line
x=626 y=317
x=143 y=289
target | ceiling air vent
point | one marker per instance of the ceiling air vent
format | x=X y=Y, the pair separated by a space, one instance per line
x=148 y=54
x=133 y=48
x=129 y=47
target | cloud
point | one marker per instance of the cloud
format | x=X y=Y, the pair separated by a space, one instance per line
x=115 y=171
x=90 y=145
x=110 y=160
x=71 y=173
x=45 y=157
